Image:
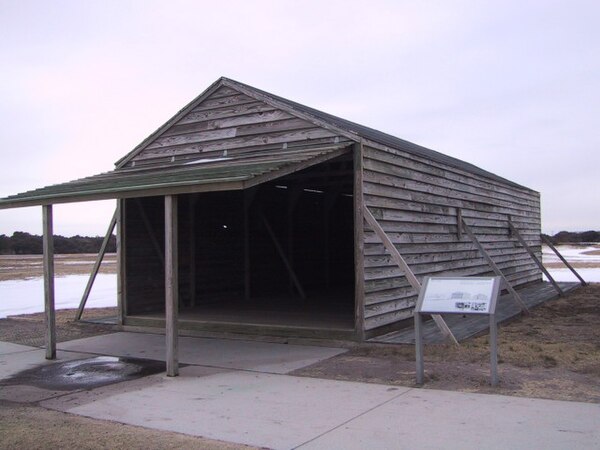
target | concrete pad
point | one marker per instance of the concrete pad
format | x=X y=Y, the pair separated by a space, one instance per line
x=265 y=410
x=9 y=347
x=432 y=419
x=13 y=363
x=226 y=353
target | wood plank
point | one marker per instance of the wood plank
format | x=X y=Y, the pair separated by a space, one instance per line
x=283 y=257
x=386 y=175
x=565 y=262
x=171 y=286
x=121 y=262
x=225 y=133
x=48 y=265
x=433 y=173
x=225 y=112
x=150 y=231
x=96 y=268
x=387 y=190
x=192 y=244
x=404 y=267
x=227 y=122
x=451 y=172
x=357 y=205
x=516 y=233
x=212 y=102
x=241 y=142
x=495 y=267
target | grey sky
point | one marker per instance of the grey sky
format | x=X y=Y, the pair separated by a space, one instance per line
x=511 y=86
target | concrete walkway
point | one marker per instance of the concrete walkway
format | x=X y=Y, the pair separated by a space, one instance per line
x=232 y=398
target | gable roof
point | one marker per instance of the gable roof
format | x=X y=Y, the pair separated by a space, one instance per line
x=347 y=128
x=315 y=137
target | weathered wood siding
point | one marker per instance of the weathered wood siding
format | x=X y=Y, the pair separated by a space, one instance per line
x=230 y=124
x=416 y=201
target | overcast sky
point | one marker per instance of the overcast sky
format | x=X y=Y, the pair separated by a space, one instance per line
x=511 y=86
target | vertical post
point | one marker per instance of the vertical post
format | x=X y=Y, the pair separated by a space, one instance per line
x=419 y=347
x=121 y=279
x=171 y=286
x=493 y=350
x=48 y=246
x=247 y=202
x=359 y=243
x=193 y=251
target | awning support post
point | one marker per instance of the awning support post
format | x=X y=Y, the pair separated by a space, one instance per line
x=171 y=286
x=48 y=263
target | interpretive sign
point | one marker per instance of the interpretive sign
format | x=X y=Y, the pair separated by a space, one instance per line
x=458 y=295
x=446 y=295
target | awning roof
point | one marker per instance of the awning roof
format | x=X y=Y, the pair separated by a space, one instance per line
x=199 y=175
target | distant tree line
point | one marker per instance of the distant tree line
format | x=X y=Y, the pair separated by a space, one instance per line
x=570 y=237
x=21 y=243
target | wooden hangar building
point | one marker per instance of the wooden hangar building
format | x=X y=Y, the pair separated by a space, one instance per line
x=249 y=213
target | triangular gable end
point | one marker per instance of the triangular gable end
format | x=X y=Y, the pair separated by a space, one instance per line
x=225 y=122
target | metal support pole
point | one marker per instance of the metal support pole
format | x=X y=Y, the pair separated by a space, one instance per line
x=419 y=348
x=493 y=350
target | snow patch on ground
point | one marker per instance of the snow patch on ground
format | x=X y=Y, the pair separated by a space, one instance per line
x=589 y=275
x=27 y=296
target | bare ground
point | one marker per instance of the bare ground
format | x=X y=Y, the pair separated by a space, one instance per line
x=553 y=353
x=22 y=267
x=32 y=427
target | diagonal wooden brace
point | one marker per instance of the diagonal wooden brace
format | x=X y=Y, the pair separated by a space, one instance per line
x=494 y=267
x=410 y=276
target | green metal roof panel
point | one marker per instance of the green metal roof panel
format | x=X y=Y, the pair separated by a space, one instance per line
x=200 y=174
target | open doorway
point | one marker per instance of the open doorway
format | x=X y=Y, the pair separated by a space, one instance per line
x=279 y=255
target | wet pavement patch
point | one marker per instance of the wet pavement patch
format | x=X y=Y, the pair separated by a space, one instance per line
x=85 y=373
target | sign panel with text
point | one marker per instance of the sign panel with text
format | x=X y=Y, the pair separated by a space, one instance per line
x=459 y=295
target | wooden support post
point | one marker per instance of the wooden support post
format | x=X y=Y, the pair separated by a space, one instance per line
x=150 y=231
x=171 y=286
x=248 y=199
x=96 y=268
x=359 y=242
x=494 y=267
x=192 y=244
x=294 y=196
x=121 y=258
x=515 y=232
x=410 y=276
x=286 y=263
x=48 y=247
x=459 y=223
x=555 y=250
x=328 y=203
